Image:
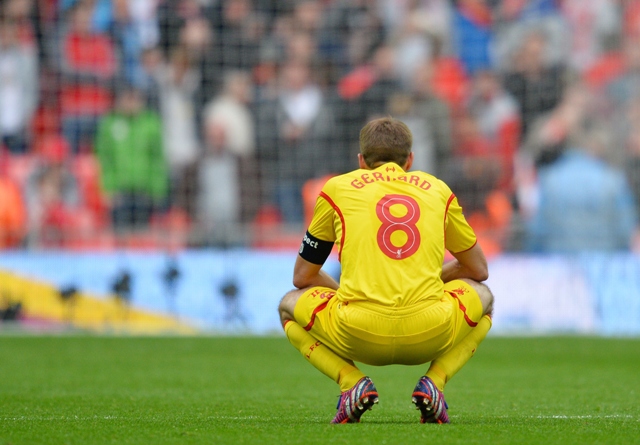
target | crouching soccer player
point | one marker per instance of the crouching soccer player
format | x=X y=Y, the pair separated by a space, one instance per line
x=396 y=302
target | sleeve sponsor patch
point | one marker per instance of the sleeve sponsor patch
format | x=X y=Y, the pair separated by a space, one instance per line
x=315 y=250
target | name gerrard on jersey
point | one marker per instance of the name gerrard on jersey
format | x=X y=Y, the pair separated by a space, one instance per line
x=367 y=178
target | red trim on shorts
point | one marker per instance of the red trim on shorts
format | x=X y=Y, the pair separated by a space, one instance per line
x=313 y=315
x=469 y=321
x=337 y=209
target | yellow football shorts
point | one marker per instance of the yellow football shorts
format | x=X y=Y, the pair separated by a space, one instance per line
x=379 y=335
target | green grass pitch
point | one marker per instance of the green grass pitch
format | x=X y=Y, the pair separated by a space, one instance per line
x=220 y=390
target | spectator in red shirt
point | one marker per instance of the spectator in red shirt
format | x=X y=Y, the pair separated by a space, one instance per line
x=88 y=66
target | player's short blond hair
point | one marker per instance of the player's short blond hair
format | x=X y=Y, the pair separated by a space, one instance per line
x=385 y=140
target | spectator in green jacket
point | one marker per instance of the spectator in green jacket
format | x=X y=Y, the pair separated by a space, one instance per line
x=134 y=170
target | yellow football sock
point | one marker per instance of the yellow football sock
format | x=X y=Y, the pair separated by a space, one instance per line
x=447 y=365
x=342 y=371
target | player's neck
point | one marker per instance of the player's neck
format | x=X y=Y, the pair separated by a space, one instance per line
x=381 y=163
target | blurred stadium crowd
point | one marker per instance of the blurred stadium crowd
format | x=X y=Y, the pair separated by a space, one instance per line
x=163 y=124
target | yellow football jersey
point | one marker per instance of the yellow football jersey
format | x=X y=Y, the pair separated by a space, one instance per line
x=391 y=229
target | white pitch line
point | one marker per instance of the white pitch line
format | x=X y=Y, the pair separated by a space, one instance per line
x=557 y=416
x=233 y=417
x=37 y=418
x=560 y=416
x=31 y=418
x=588 y=416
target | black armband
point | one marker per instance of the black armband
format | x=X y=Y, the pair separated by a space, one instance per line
x=315 y=250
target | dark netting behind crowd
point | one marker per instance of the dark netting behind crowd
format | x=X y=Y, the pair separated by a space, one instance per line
x=192 y=123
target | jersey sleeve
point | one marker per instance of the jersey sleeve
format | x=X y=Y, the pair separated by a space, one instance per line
x=459 y=236
x=317 y=243
x=321 y=225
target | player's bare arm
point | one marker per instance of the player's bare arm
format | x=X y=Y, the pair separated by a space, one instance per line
x=470 y=264
x=307 y=274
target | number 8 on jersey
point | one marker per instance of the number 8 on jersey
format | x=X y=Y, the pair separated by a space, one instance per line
x=391 y=224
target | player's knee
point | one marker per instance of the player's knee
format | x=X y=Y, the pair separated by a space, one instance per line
x=284 y=304
x=485 y=295
x=287 y=306
x=486 y=298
